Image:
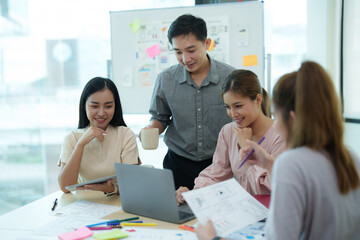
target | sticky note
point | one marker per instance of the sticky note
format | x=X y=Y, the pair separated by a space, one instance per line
x=153 y=51
x=135 y=26
x=163 y=29
x=212 y=45
x=80 y=233
x=250 y=60
x=114 y=234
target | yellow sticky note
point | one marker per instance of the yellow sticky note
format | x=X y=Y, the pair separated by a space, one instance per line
x=135 y=26
x=212 y=45
x=114 y=234
x=250 y=60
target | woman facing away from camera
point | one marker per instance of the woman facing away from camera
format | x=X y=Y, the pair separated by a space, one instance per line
x=101 y=139
x=315 y=184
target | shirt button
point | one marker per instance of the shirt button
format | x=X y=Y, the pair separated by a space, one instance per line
x=198 y=91
x=199 y=109
x=199 y=144
x=199 y=126
x=199 y=159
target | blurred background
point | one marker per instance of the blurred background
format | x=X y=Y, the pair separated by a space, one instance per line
x=49 y=49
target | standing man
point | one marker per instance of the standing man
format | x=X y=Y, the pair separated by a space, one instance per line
x=187 y=101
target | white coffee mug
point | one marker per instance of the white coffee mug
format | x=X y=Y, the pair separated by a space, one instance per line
x=150 y=138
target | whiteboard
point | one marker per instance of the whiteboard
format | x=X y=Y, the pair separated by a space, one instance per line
x=140 y=49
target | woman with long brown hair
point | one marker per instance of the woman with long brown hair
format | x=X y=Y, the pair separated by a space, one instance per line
x=315 y=184
x=248 y=104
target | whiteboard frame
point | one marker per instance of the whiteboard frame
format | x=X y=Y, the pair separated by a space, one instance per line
x=136 y=100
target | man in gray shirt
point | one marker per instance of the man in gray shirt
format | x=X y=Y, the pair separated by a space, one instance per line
x=187 y=101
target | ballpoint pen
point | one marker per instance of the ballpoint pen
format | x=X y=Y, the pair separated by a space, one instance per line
x=54 y=205
x=115 y=221
x=252 y=151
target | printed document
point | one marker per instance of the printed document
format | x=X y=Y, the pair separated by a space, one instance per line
x=227 y=204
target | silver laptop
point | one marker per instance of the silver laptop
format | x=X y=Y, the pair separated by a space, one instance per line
x=150 y=192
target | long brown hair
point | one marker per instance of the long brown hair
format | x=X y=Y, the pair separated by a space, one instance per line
x=247 y=84
x=319 y=123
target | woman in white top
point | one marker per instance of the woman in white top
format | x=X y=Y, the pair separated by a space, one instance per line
x=101 y=139
x=315 y=184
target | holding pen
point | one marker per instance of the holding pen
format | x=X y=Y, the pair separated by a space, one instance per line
x=54 y=205
x=252 y=151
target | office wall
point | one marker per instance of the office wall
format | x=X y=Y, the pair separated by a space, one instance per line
x=323 y=46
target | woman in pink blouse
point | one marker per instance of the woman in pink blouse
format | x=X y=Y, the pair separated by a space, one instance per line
x=248 y=104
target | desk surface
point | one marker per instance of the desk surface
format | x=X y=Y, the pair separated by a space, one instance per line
x=38 y=213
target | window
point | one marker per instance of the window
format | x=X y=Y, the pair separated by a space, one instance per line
x=48 y=50
x=351 y=55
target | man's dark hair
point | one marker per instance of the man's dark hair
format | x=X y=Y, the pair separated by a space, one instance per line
x=186 y=24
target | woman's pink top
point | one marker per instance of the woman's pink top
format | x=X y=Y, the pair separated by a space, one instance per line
x=226 y=160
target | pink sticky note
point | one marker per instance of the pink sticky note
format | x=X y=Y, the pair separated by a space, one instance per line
x=78 y=234
x=153 y=51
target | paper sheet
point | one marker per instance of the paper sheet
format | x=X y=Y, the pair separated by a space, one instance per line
x=253 y=231
x=158 y=234
x=86 y=209
x=227 y=204
x=63 y=225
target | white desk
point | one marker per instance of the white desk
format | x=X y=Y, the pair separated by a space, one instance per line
x=19 y=223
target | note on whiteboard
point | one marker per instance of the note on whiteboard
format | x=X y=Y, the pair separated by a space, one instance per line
x=227 y=204
x=153 y=51
x=135 y=26
x=250 y=60
x=86 y=209
x=212 y=45
x=242 y=36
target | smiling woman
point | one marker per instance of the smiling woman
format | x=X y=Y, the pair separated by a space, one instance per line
x=101 y=140
x=247 y=104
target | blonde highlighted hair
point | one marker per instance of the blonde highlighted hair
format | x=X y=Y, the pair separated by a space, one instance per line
x=319 y=124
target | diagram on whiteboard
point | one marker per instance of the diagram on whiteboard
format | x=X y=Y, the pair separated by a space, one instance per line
x=153 y=50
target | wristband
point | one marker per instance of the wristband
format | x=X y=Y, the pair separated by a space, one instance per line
x=113 y=192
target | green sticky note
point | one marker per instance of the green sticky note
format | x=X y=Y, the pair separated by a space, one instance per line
x=114 y=234
x=135 y=26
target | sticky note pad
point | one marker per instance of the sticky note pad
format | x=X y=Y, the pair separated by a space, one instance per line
x=212 y=45
x=250 y=60
x=135 y=26
x=114 y=234
x=153 y=51
x=80 y=233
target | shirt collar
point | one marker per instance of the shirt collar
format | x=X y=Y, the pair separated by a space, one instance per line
x=212 y=76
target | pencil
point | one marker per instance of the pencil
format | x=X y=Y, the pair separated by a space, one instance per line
x=252 y=151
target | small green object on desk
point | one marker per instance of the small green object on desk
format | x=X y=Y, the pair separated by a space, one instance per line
x=114 y=234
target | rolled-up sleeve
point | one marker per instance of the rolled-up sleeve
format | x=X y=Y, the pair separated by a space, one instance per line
x=159 y=108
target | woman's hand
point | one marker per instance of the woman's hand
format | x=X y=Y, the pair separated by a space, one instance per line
x=105 y=187
x=179 y=198
x=243 y=134
x=260 y=157
x=206 y=232
x=90 y=134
